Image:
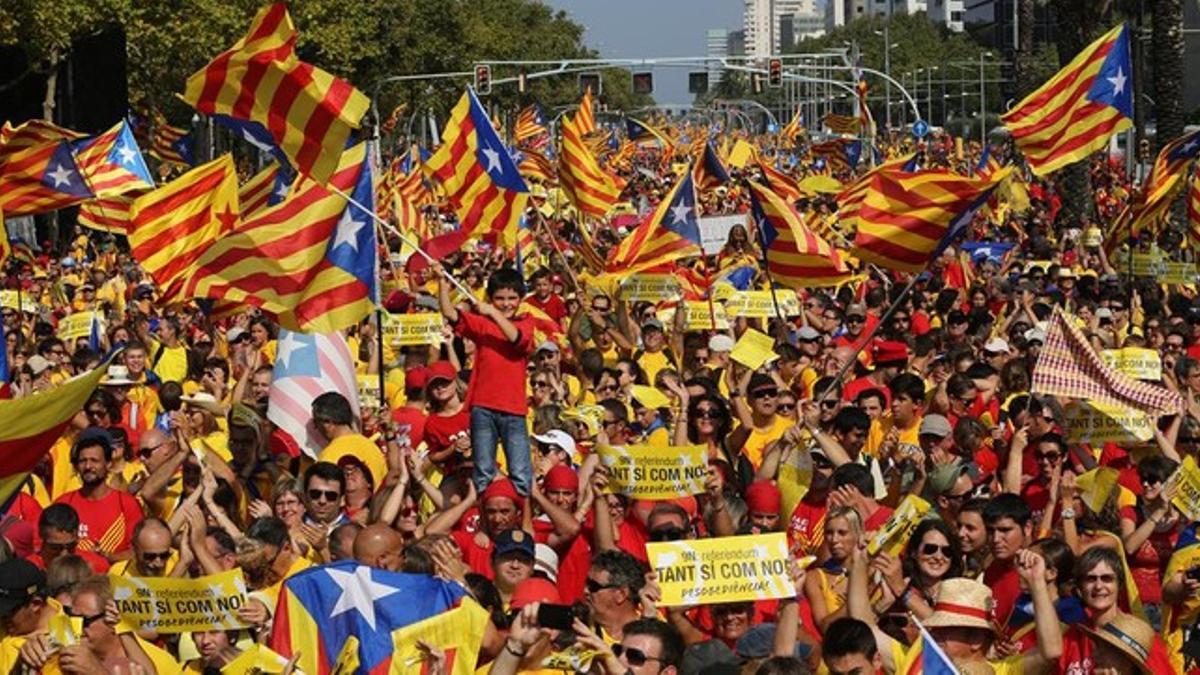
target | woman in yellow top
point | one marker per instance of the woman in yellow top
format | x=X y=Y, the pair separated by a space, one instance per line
x=262 y=338
x=826 y=586
x=202 y=412
x=738 y=250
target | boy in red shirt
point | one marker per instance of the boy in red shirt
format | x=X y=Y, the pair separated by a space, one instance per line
x=496 y=393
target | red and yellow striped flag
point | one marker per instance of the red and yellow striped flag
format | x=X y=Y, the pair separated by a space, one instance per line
x=5 y=249
x=307 y=111
x=585 y=118
x=850 y=199
x=796 y=256
x=1193 y=209
x=780 y=183
x=255 y=194
x=669 y=233
x=842 y=124
x=794 y=129
x=591 y=189
x=171 y=227
x=107 y=214
x=1075 y=112
x=905 y=220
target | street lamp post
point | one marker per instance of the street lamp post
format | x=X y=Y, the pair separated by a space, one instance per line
x=982 y=101
x=887 y=70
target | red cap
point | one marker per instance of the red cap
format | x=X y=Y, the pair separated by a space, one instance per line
x=416 y=377
x=397 y=301
x=534 y=589
x=502 y=487
x=889 y=352
x=561 y=477
x=20 y=539
x=441 y=370
x=763 y=497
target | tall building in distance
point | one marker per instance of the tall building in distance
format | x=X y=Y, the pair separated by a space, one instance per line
x=838 y=13
x=948 y=13
x=771 y=25
x=716 y=45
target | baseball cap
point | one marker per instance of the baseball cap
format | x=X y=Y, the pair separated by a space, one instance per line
x=935 y=425
x=534 y=589
x=652 y=324
x=235 y=334
x=943 y=477
x=856 y=309
x=441 y=370
x=545 y=560
x=1035 y=334
x=807 y=334
x=38 y=364
x=416 y=377
x=547 y=346
x=887 y=351
x=557 y=437
x=760 y=381
x=720 y=343
x=20 y=581
x=513 y=541
x=996 y=345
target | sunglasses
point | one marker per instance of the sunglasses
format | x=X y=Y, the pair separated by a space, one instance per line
x=667 y=534
x=87 y=620
x=787 y=407
x=764 y=393
x=594 y=586
x=821 y=462
x=328 y=495
x=708 y=413
x=538 y=384
x=145 y=453
x=931 y=549
x=855 y=319
x=829 y=404
x=633 y=656
x=151 y=557
x=1047 y=456
x=1099 y=578
x=545 y=449
x=608 y=387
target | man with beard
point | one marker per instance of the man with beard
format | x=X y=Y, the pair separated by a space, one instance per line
x=107 y=517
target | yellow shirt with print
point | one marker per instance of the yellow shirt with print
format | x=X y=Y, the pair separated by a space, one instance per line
x=756 y=444
x=880 y=429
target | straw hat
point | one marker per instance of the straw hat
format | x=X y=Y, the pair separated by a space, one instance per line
x=205 y=401
x=1132 y=636
x=117 y=376
x=962 y=603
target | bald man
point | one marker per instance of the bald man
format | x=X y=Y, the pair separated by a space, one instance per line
x=379 y=546
x=152 y=552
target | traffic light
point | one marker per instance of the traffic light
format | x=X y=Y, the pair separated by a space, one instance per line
x=775 y=73
x=756 y=83
x=698 y=82
x=483 y=80
x=590 y=81
x=643 y=83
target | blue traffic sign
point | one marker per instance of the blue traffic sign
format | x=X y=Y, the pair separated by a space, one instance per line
x=920 y=128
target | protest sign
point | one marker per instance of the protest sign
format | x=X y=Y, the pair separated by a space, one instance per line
x=697 y=316
x=650 y=288
x=172 y=605
x=795 y=477
x=895 y=533
x=1096 y=485
x=1136 y=362
x=649 y=472
x=760 y=305
x=1185 y=483
x=368 y=391
x=753 y=349
x=724 y=569
x=402 y=330
x=74 y=326
x=456 y=632
x=8 y=300
x=1096 y=422
x=257 y=659
x=714 y=231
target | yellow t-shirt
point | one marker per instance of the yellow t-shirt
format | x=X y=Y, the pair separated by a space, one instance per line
x=759 y=439
x=172 y=363
x=879 y=431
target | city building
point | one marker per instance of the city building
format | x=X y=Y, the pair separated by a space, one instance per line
x=771 y=25
x=840 y=12
x=716 y=45
x=948 y=13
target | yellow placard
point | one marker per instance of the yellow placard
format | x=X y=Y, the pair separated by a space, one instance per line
x=895 y=533
x=1096 y=422
x=760 y=305
x=820 y=183
x=724 y=569
x=171 y=605
x=1096 y=485
x=74 y=326
x=741 y=154
x=1093 y=237
x=650 y=288
x=65 y=630
x=698 y=316
x=753 y=349
x=8 y=300
x=368 y=391
x=424 y=328
x=257 y=659
x=795 y=478
x=1136 y=362
x=1186 y=484
x=1177 y=273
x=649 y=472
x=574 y=659
x=457 y=633
x=649 y=396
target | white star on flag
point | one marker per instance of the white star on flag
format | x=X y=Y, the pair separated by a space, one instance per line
x=1118 y=82
x=1190 y=147
x=127 y=154
x=359 y=593
x=493 y=159
x=347 y=230
x=680 y=212
x=61 y=176
x=288 y=345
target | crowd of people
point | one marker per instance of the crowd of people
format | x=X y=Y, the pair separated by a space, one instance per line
x=479 y=465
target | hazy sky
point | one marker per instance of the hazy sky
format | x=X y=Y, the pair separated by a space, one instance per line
x=650 y=28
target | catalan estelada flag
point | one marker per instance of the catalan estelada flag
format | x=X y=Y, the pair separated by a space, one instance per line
x=265 y=188
x=1193 y=209
x=112 y=164
x=842 y=124
x=5 y=251
x=1149 y=206
x=535 y=166
x=842 y=154
x=925 y=657
x=850 y=199
x=38 y=172
x=794 y=129
x=590 y=188
x=1075 y=112
x=905 y=220
x=530 y=128
x=780 y=183
x=670 y=232
x=709 y=172
x=795 y=255
x=33 y=423
x=322 y=607
x=308 y=112
x=479 y=177
x=171 y=143
x=107 y=214
x=311 y=261
x=172 y=226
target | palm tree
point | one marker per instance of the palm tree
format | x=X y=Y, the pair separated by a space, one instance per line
x=1167 y=51
x=1026 y=75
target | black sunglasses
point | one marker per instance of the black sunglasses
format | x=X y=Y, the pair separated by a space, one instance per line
x=765 y=393
x=708 y=413
x=87 y=620
x=667 y=534
x=930 y=549
x=145 y=453
x=633 y=656
x=151 y=557
x=329 y=495
x=594 y=586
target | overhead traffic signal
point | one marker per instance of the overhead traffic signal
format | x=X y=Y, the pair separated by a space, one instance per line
x=590 y=81
x=483 y=80
x=643 y=83
x=698 y=82
x=775 y=73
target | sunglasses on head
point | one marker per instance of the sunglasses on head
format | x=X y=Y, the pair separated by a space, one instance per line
x=328 y=495
x=633 y=656
x=931 y=549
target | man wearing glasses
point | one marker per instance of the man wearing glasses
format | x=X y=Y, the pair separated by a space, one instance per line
x=58 y=529
x=152 y=553
x=107 y=517
x=760 y=425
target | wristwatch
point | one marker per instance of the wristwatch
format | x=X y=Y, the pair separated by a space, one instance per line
x=1068 y=513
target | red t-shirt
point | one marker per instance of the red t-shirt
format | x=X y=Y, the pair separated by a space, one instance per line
x=98 y=564
x=806 y=531
x=411 y=422
x=105 y=524
x=553 y=306
x=1005 y=583
x=1148 y=562
x=878 y=519
x=574 y=559
x=498 y=379
x=441 y=431
x=479 y=558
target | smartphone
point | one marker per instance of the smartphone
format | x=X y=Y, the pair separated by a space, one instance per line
x=559 y=617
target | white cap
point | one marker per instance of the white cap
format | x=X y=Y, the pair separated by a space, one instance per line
x=1103 y=313
x=557 y=437
x=545 y=560
x=996 y=345
x=1035 y=334
x=720 y=343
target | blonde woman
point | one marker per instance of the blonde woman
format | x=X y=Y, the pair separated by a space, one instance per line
x=825 y=586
